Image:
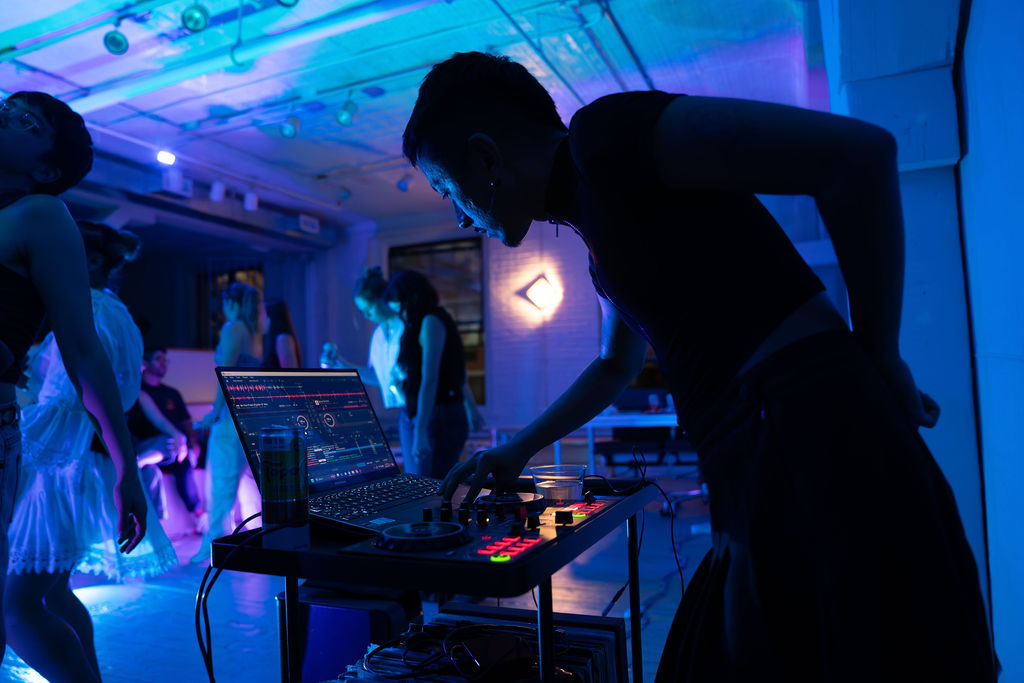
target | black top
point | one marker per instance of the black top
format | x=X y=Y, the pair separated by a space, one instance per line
x=703 y=274
x=171 y=404
x=21 y=317
x=451 y=374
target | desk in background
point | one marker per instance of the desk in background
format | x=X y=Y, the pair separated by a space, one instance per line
x=603 y=421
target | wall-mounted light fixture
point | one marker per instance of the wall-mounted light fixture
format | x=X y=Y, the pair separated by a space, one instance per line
x=195 y=18
x=165 y=157
x=404 y=182
x=347 y=113
x=290 y=127
x=541 y=293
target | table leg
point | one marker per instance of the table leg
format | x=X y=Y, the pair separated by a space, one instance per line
x=634 y=599
x=545 y=631
x=291 y=629
x=590 y=451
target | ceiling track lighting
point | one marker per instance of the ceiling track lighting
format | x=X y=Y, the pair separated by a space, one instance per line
x=290 y=127
x=347 y=113
x=115 y=41
x=195 y=18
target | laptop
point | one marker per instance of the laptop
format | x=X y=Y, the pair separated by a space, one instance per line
x=354 y=481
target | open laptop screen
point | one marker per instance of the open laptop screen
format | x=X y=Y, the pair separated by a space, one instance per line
x=344 y=441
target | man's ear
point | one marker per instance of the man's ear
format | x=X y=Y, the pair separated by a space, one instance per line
x=45 y=174
x=485 y=154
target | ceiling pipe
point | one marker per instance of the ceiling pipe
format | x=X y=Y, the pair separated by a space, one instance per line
x=345 y=20
x=540 y=53
x=606 y=6
x=599 y=48
x=33 y=41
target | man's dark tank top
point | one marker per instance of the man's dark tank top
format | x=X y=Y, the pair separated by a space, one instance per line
x=703 y=274
x=452 y=373
x=21 y=316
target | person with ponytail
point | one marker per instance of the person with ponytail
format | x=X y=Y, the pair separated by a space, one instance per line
x=240 y=345
x=46 y=149
x=432 y=367
x=65 y=519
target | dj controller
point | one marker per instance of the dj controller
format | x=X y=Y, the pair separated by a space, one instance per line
x=495 y=529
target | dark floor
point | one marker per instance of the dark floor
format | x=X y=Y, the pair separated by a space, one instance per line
x=145 y=631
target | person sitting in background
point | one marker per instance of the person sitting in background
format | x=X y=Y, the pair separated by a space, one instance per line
x=433 y=426
x=280 y=343
x=165 y=441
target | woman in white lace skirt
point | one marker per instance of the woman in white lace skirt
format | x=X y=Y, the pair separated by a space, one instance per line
x=65 y=519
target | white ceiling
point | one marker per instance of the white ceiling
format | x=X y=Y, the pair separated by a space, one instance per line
x=220 y=108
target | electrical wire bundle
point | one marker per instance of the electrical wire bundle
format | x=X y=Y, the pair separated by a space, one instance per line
x=641 y=463
x=203 y=594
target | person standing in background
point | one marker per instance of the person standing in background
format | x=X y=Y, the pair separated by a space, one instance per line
x=432 y=370
x=280 y=343
x=368 y=297
x=240 y=345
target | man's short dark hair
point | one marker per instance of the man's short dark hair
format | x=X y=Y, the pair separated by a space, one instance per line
x=71 y=153
x=150 y=351
x=474 y=92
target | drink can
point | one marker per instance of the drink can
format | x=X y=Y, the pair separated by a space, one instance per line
x=284 y=483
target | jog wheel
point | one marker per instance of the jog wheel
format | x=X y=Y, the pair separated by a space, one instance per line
x=422 y=537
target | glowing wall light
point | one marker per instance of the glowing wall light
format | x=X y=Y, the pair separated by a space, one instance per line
x=165 y=157
x=542 y=294
x=404 y=182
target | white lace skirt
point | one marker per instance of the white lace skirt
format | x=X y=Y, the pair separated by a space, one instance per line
x=65 y=520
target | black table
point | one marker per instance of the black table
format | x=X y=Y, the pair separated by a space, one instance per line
x=335 y=555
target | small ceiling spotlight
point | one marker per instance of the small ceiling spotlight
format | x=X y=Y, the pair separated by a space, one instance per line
x=217 y=191
x=347 y=113
x=195 y=18
x=115 y=42
x=165 y=157
x=404 y=182
x=290 y=127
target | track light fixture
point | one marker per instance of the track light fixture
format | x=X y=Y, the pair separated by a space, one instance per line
x=346 y=114
x=115 y=41
x=195 y=18
x=290 y=127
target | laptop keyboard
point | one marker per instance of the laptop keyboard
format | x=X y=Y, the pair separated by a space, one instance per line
x=370 y=498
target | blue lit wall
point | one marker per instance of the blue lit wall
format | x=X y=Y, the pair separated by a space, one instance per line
x=993 y=207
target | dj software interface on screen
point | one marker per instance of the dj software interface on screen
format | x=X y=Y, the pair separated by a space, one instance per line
x=344 y=442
